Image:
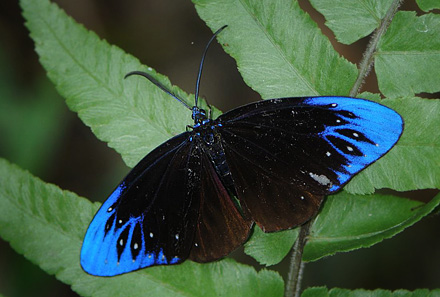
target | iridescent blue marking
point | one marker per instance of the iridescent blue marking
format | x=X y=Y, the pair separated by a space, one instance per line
x=174 y=260
x=380 y=124
x=102 y=259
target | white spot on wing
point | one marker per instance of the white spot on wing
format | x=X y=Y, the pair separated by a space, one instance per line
x=322 y=179
x=151 y=234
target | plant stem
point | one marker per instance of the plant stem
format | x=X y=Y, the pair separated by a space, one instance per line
x=368 y=58
x=293 y=284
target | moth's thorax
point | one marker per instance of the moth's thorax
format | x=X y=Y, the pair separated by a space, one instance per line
x=207 y=136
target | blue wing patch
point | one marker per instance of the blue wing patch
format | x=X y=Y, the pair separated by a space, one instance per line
x=363 y=132
x=99 y=253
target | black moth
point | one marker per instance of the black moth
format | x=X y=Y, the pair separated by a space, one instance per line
x=197 y=195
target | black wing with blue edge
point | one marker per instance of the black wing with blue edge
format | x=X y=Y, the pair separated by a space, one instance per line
x=286 y=154
x=170 y=207
x=150 y=218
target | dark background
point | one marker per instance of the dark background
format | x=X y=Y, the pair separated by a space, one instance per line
x=40 y=134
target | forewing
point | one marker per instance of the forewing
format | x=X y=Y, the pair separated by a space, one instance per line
x=150 y=218
x=220 y=228
x=286 y=154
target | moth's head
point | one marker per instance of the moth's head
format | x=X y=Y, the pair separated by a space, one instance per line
x=198 y=115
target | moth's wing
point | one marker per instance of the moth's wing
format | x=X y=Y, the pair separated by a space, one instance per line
x=286 y=154
x=221 y=228
x=150 y=218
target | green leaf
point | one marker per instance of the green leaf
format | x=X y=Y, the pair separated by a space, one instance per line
x=270 y=248
x=413 y=163
x=407 y=61
x=427 y=5
x=370 y=96
x=352 y=20
x=348 y=222
x=280 y=51
x=114 y=109
x=259 y=46
x=324 y=292
x=89 y=73
x=47 y=226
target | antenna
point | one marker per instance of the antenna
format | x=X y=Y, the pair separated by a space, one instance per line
x=162 y=87
x=199 y=75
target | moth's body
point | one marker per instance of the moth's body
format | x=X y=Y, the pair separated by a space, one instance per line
x=208 y=138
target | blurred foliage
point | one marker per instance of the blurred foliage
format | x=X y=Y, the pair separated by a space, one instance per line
x=32 y=120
